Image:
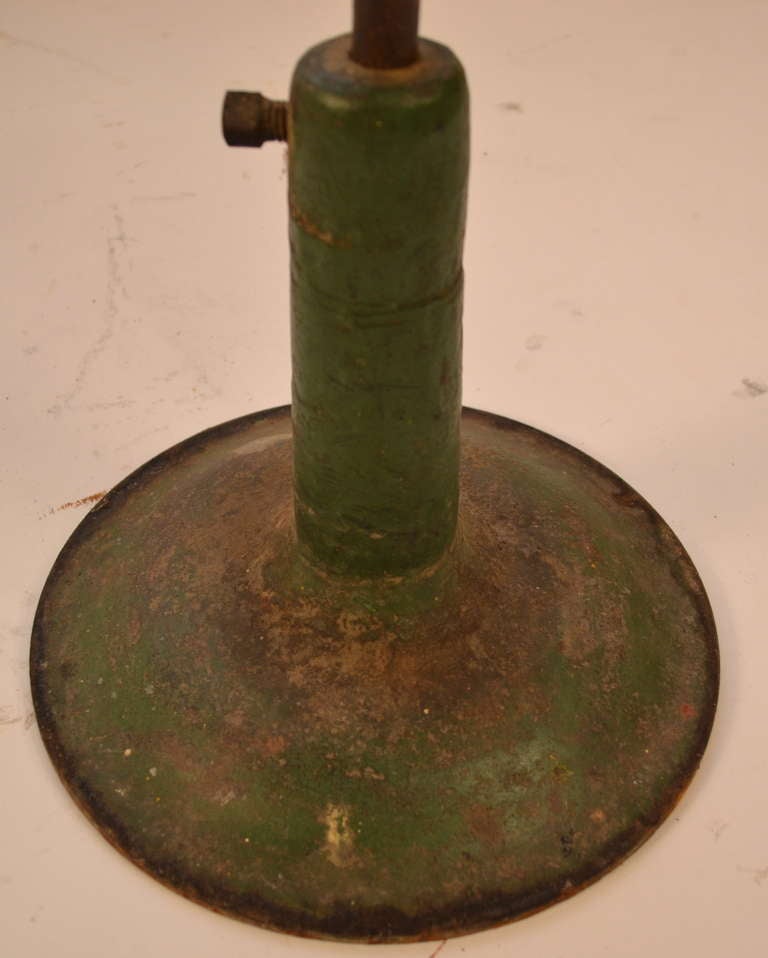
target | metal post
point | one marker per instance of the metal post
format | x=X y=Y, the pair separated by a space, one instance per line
x=385 y=33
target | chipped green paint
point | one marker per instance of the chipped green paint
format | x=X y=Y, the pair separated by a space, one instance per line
x=378 y=171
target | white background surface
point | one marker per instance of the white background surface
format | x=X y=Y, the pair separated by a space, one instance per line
x=617 y=296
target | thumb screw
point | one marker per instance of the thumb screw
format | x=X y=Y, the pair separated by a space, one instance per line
x=250 y=119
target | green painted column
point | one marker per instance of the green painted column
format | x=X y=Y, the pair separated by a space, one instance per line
x=378 y=163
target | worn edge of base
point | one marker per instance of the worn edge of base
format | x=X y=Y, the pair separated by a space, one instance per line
x=392 y=926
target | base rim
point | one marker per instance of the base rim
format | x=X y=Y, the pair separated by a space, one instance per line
x=465 y=912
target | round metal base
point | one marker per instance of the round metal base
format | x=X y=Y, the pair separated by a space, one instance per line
x=377 y=761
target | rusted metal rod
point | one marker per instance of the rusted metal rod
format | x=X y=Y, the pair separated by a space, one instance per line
x=385 y=33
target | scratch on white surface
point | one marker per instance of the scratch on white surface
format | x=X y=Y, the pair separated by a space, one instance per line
x=717 y=828
x=115 y=294
x=204 y=388
x=759 y=875
x=15 y=41
x=7 y=719
x=122 y=403
x=141 y=437
x=534 y=342
x=76 y=503
x=163 y=197
x=751 y=388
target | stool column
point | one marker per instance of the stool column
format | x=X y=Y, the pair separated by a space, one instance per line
x=378 y=164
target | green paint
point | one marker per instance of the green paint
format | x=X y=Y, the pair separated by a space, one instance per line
x=271 y=737
x=378 y=171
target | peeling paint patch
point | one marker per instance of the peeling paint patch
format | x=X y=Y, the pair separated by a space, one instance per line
x=224 y=796
x=258 y=445
x=368 y=773
x=339 y=837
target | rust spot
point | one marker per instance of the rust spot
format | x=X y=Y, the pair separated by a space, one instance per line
x=486 y=823
x=353 y=625
x=302 y=220
x=235 y=718
x=273 y=746
x=687 y=710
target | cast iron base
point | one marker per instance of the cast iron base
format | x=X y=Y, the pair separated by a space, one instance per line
x=387 y=761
